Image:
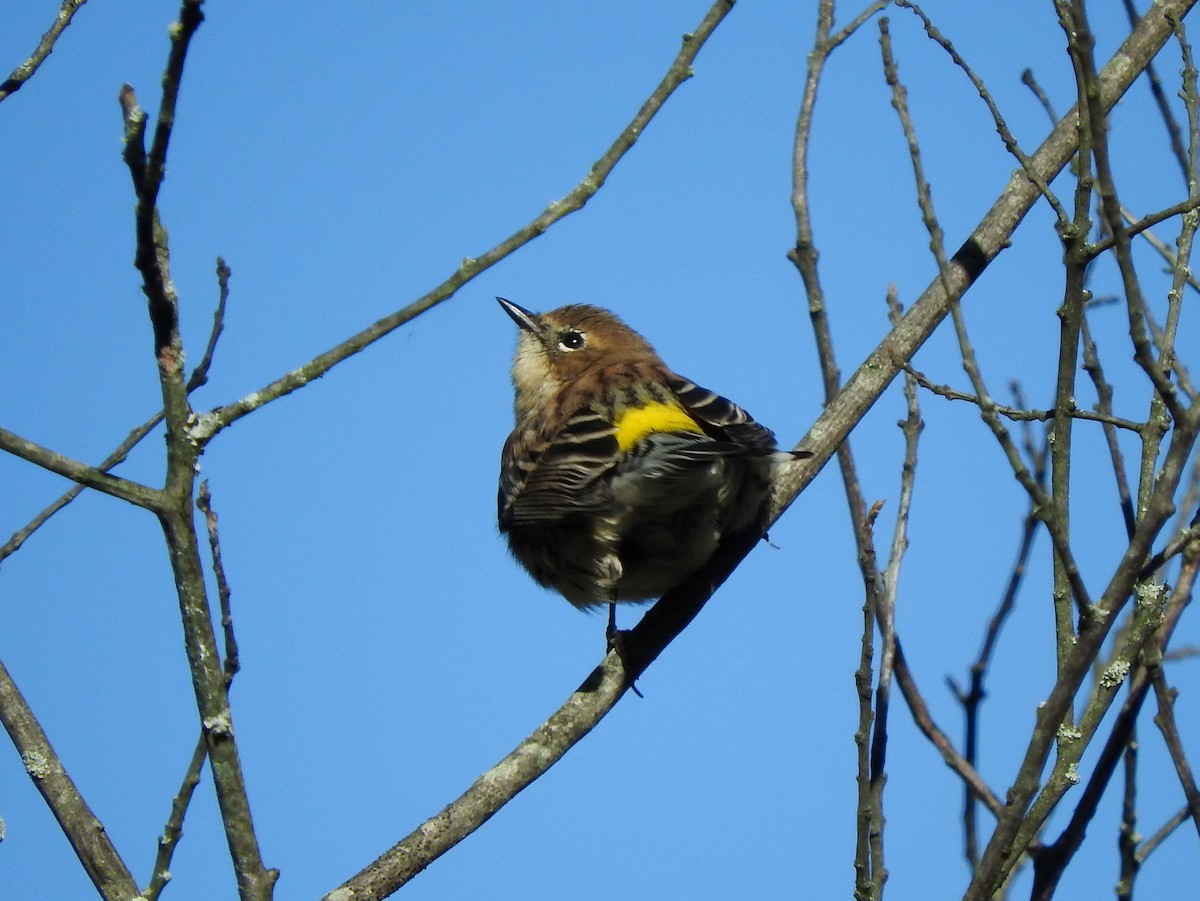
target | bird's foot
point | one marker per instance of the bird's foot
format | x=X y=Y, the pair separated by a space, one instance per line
x=616 y=642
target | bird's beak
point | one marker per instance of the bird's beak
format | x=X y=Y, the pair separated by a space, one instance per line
x=520 y=316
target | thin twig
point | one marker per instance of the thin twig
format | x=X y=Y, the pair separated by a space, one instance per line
x=45 y=47
x=1020 y=414
x=117 y=456
x=1165 y=252
x=972 y=698
x=173 y=830
x=1028 y=79
x=1150 y=845
x=1183 y=653
x=232 y=661
x=924 y=721
x=1181 y=597
x=199 y=376
x=1135 y=226
x=868 y=814
x=1127 y=836
x=1104 y=395
x=1178 y=544
x=1165 y=720
x=1164 y=105
x=1010 y=142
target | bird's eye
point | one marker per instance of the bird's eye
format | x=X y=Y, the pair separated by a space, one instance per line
x=571 y=340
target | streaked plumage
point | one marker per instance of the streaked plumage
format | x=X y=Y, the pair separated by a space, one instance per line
x=620 y=478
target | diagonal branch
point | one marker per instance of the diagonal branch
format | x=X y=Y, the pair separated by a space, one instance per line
x=24 y=72
x=965 y=769
x=1163 y=104
x=1051 y=861
x=1165 y=720
x=89 y=476
x=1010 y=142
x=19 y=537
x=89 y=840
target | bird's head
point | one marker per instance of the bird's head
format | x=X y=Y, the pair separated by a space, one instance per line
x=556 y=347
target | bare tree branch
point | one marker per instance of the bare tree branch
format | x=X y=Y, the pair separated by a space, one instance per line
x=1165 y=720
x=1164 y=106
x=1081 y=44
x=117 y=456
x=1104 y=394
x=83 y=830
x=869 y=874
x=133 y=492
x=1127 y=836
x=924 y=721
x=173 y=830
x=1010 y=142
x=1150 y=845
x=972 y=698
x=45 y=47
x=199 y=376
x=175 y=514
x=1051 y=861
x=1018 y=413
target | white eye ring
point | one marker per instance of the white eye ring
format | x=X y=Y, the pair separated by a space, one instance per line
x=571 y=339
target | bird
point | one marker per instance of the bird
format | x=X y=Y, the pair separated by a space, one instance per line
x=620 y=478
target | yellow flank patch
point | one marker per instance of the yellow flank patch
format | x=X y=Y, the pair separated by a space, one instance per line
x=637 y=422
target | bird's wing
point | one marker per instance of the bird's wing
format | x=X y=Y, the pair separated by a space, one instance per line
x=542 y=484
x=721 y=418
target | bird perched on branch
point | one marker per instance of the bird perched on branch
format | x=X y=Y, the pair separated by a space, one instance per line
x=620 y=478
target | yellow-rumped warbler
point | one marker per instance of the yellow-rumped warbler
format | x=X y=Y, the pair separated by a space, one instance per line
x=621 y=478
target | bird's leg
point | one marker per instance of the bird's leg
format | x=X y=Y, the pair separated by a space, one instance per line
x=616 y=642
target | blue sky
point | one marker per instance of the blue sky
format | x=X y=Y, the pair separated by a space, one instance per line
x=343 y=159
